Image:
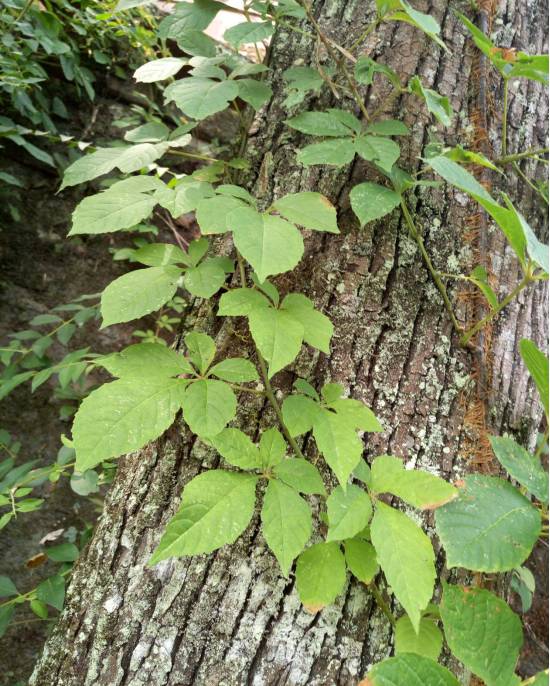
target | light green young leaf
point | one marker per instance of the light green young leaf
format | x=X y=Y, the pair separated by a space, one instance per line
x=202 y=350
x=248 y=32
x=483 y=632
x=337 y=152
x=136 y=294
x=537 y=364
x=270 y=244
x=371 y=201
x=457 y=176
x=299 y=413
x=318 y=328
x=424 y=22
x=235 y=369
x=410 y=670
x=366 y=68
x=278 y=336
x=126 y=158
x=208 y=405
x=417 y=488
x=490 y=527
x=123 y=416
x=319 y=124
x=383 y=151
x=199 y=97
x=205 y=279
x=361 y=559
x=237 y=448
x=255 y=93
x=286 y=523
x=213 y=214
x=354 y=412
x=332 y=392
x=236 y=192
x=301 y=475
x=349 y=512
x=272 y=448
x=158 y=70
x=407 y=559
x=185 y=197
x=215 y=509
x=437 y=104
x=159 y=255
x=310 y=210
x=427 y=642
x=338 y=442
x=320 y=575
x=110 y=211
x=521 y=465
x=241 y=302
x=145 y=359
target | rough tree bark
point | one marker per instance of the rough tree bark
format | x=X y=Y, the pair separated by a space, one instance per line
x=230 y=617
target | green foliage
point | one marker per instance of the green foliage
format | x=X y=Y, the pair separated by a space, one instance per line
x=348 y=511
x=428 y=641
x=371 y=201
x=410 y=670
x=320 y=575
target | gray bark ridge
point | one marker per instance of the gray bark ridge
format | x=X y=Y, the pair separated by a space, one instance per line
x=230 y=618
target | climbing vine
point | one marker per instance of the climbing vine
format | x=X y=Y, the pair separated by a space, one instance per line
x=484 y=523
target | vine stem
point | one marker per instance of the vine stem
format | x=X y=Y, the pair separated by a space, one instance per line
x=433 y=271
x=382 y=604
x=493 y=313
x=504 y=119
x=521 y=156
x=270 y=395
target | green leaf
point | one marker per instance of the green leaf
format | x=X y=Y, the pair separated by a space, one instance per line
x=410 y=670
x=136 y=294
x=196 y=15
x=479 y=277
x=255 y=93
x=64 y=552
x=310 y=210
x=319 y=124
x=215 y=509
x=84 y=483
x=371 y=201
x=237 y=448
x=354 y=412
x=361 y=559
x=248 y=32
x=521 y=465
x=159 y=255
x=241 y=302
x=6 y=613
x=537 y=364
x=320 y=575
x=382 y=151
x=126 y=158
x=318 y=328
x=278 y=336
x=338 y=442
x=208 y=405
x=388 y=127
x=299 y=413
x=39 y=608
x=197 y=43
x=272 y=448
x=7 y=587
x=158 y=70
x=437 y=104
x=235 y=369
x=205 y=279
x=490 y=527
x=536 y=250
x=456 y=175
x=366 y=68
x=202 y=350
x=301 y=475
x=428 y=641
x=145 y=359
x=417 y=488
x=337 y=152
x=349 y=512
x=424 y=22
x=332 y=392
x=110 y=211
x=482 y=631
x=270 y=244
x=407 y=558
x=123 y=416
x=236 y=192
x=286 y=523
x=213 y=214
x=184 y=198
x=199 y=98
x=52 y=591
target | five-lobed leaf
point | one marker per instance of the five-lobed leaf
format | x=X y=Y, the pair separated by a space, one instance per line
x=215 y=509
x=320 y=575
x=286 y=522
x=407 y=559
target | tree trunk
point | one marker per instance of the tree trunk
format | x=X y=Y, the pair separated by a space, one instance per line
x=230 y=617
